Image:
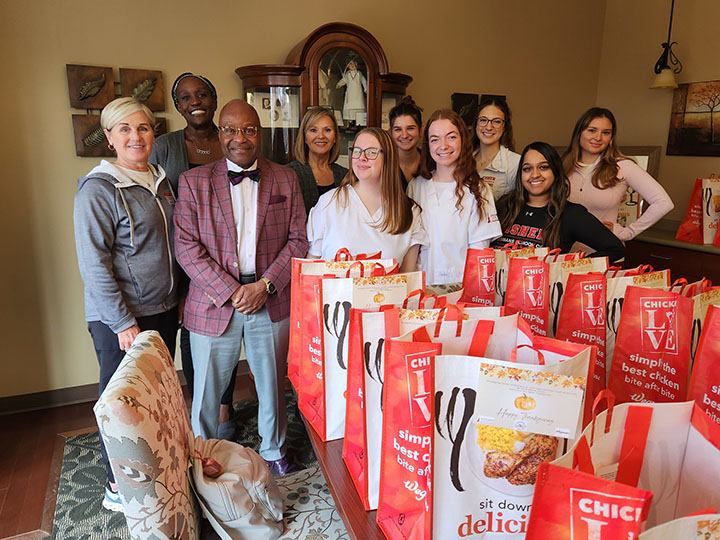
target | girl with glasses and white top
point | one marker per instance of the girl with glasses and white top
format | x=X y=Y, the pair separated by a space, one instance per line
x=495 y=158
x=370 y=211
x=458 y=207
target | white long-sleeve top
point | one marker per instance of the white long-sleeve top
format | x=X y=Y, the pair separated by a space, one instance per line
x=604 y=203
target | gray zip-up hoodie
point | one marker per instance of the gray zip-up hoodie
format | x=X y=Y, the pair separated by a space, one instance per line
x=124 y=242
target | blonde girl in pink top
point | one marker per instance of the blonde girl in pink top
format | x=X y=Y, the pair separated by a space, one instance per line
x=600 y=175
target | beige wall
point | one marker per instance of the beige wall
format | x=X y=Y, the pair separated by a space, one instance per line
x=631 y=46
x=544 y=55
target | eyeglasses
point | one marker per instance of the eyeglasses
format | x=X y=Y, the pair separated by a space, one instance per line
x=370 y=153
x=229 y=131
x=495 y=122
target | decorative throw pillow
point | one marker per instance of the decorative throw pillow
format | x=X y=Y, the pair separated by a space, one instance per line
x=243 y=501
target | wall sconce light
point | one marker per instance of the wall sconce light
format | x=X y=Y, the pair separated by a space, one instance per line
x=664 y=74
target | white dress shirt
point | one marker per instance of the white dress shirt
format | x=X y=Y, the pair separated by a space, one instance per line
x=244 y=204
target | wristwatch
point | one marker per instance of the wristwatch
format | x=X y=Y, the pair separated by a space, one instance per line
x=269 y=287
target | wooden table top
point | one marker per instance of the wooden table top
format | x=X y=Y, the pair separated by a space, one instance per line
x=359 y=523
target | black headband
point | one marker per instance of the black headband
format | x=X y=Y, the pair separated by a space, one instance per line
x=213 y=92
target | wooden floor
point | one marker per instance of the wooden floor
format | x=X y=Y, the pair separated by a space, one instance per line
x=31 y=449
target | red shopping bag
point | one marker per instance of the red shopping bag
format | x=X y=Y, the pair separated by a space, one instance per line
x=690 y=229
x=404 y=505
x=527 y=292
x=651 y=362
x=484 y=470
x=670 y=449
x=295 y=350
x=572 y=505
x=369 y=331
x=705 y=379
x=582 y=320
x=479 y=277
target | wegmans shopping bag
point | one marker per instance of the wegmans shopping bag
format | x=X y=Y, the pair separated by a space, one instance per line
x=705 y=378
x=314 y=267
x=569 y=505
x=495 y=422
x=369 y=331
x=691 y=227
x=711 y=208
x=617 y=282
x=479 y=277
x=582 y=320
x=527 y=292
x=701 y=304
x=651 y=362
x=404 y=507
x=323 y=403
x=670 y=449
x=502 y=260
x=558 y=273
x=410 y=373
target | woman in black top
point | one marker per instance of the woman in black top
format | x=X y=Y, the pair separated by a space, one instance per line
x=537 y=212
x=316 y=149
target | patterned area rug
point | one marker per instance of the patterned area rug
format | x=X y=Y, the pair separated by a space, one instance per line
x=310 y=511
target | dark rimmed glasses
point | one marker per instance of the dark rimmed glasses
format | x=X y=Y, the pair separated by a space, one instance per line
x=494 y=122
x=370 y=153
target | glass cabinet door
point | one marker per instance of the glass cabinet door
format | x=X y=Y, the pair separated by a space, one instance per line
x=279 y=110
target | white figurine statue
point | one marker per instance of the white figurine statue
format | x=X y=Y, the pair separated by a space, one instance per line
x=354 y=93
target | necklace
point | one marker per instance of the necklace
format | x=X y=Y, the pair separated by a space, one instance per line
x=198 y=150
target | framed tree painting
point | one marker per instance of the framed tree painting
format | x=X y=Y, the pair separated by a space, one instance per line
x=695 y=120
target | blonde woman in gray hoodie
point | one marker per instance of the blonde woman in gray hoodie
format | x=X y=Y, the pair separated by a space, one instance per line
x=123 y=236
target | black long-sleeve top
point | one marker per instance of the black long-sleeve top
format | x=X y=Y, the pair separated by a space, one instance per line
x=578 y=225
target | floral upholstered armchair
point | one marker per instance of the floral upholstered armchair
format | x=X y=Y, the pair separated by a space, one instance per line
x=145 y=426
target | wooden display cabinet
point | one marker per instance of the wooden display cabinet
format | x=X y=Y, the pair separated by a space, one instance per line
x=340 y=66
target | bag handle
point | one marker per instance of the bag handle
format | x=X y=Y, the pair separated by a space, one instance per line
x=705 y=285
x=443 y=315
x=644 y=269
x=357 y=264
x=608 y=398
x=377 y=269
x=582 y=457
x=343 y=254
x=552 y=254
x=513 y=354
x=679 y=282
x=411 y=294
x=481 y=337
x=511 y=245
x=632 y=452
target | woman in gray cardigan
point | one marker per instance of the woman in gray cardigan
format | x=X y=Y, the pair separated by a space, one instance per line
x=316 y=150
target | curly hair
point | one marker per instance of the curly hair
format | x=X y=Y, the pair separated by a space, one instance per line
x=511 y=204
x=465 y=172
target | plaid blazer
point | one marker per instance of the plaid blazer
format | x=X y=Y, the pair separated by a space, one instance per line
x=206 y=241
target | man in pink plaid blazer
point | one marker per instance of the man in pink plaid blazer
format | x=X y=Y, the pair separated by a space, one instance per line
x=238 y=223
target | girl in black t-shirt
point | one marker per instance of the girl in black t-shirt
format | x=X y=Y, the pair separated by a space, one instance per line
x=537 y=212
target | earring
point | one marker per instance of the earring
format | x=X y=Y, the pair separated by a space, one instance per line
x=111 y=147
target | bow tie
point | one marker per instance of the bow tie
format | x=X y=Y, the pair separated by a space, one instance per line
x=237 y=177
